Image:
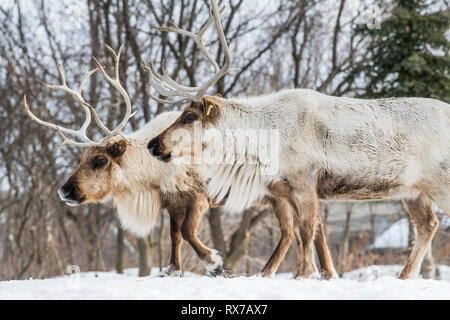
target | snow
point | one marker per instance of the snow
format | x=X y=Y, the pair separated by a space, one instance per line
x=374 y=272
x=375 y=282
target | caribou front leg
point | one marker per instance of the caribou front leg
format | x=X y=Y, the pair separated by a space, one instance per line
x=212 y=259
x=174 y=267
x=284 y=215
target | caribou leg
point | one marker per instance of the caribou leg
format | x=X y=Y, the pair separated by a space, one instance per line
x=284 y=215
x=326 y=264
x=212 y=259
x=426 y=223
x=306 y=207
x=174 y=267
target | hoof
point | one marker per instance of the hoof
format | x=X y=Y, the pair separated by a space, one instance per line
x=214 y=265
x=170 y=271
x=266 y=275
x=325 y=275
x=311 y=275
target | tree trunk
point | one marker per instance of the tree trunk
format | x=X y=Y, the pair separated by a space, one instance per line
x=119 y=258
x=346 y=239
x=144 y=268
x=373 y=232
x=326 y=213
x=215 y=226
x=160 y=250
x=411 y=234
x=240 y=241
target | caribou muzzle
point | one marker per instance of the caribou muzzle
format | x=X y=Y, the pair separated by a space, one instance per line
x=156 y=148
x=70 y=194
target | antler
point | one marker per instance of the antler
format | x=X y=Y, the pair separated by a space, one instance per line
x=168 y=87
x=88 y=109
x=115 y=82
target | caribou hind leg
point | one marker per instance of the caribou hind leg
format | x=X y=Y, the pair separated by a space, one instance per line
x=306 y=205
x=286 y=217
x=327 y=270
x=441 y=196
x=300 y=252
x=426 y=223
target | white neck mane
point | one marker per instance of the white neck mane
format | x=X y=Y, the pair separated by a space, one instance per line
x=142 y=178
x=137 y=211
x=244 y=180
x=244 y=184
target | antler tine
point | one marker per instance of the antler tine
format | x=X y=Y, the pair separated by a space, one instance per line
x=78 y=96
x=223 y=41
x=196 y=37
x=166 y=86
x=149 y=67
x=61 y=75
x=115 y=82
x=88 y=109
x=147 y=90
x=159 y=82
x=81 y=133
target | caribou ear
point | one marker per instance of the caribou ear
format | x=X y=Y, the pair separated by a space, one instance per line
x=117 y=149
x=210 y=107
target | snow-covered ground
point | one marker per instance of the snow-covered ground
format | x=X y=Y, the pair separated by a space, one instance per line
x=376 y=282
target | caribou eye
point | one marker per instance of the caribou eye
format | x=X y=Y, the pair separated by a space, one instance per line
x=99 y=162
x=190 y=117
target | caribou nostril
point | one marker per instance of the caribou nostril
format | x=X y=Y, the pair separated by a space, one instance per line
x=68 y=191
x=156 y=153
x=68 y=188
x=151 y=145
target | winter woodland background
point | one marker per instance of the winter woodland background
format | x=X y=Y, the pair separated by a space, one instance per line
x=339 y=47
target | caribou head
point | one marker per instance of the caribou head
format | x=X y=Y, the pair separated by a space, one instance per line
x=202 y=109
x=100 y=164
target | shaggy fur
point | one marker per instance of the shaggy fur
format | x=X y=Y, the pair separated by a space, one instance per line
x=336 y=148
x=142 y=179
x=243 y=185
x=137 y=212
x=357 y=149
x=141 y=186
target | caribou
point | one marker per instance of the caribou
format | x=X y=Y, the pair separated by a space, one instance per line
x=118 y=167
x=331 y=148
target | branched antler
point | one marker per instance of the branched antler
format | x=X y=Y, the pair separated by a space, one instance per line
x=88 y=109
x=168 y=87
